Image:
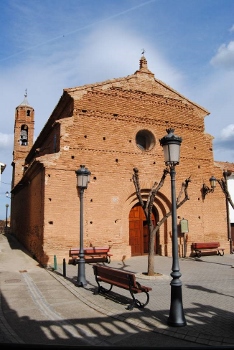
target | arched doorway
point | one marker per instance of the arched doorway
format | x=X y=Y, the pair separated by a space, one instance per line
x=138 y=231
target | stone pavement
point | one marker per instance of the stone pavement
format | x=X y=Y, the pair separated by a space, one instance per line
x=44 y=308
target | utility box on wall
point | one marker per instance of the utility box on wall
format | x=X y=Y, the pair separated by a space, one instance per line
x=184 y=226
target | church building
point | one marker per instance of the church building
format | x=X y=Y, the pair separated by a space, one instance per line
x=112 y=127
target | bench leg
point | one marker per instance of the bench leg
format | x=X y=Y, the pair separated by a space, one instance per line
x=198 y=253
x=101 y=289
x=136 y=302
x=221 y=252
x=131 y=306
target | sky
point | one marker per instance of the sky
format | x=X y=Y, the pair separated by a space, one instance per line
x=50 y=45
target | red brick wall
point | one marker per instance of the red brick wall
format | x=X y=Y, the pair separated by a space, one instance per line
x=100 y=133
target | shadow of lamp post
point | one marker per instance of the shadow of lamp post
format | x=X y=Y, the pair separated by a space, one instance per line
x=83 y=178
x=171 y=148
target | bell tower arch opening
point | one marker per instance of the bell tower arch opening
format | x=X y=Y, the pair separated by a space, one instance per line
x=24 y=135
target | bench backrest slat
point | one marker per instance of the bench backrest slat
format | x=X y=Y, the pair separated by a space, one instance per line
x=90 y=250
x=204 y=245
x=121 y=277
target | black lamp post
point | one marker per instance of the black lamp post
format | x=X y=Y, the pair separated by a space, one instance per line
x=171 y=147
x=83 y=178
x=7 y=206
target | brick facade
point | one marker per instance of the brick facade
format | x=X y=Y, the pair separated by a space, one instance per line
x=96 y=125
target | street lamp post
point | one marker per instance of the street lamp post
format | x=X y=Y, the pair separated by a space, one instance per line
x=7 y=206
x=83 y=177
x=171 y=147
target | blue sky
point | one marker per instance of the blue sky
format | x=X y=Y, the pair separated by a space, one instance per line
x=49 y=45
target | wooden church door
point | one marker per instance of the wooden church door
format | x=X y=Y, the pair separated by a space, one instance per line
x=138 y=231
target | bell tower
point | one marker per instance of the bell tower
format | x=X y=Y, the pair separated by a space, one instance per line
x=23 y=138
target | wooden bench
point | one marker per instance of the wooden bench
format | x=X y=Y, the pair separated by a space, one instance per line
x=207 y=246
x=91 y=255
x=121 y=279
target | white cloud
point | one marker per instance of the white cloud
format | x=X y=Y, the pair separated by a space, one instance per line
x=6 y=141
x=214 y=92
x=228 y=132
x=224 y=57
x=113 y=51
x=224 y=143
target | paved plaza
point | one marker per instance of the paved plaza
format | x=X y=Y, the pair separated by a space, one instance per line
x=44 y=307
